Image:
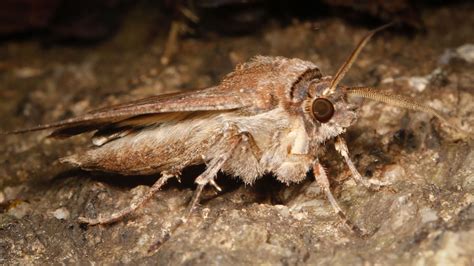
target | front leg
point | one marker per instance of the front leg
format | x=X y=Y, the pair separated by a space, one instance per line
x=371 y=183
x=323 y=182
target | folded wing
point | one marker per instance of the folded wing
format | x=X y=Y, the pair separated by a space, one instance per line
x=115 y=119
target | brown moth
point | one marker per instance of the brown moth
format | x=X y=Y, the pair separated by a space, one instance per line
x=270 y=115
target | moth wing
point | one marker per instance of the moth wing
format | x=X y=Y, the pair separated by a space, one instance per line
x=153 y=108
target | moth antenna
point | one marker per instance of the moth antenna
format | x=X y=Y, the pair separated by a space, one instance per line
x=341 y=72
x=403 y=102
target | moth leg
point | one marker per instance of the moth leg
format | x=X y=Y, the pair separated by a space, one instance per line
x=371 y=183
x=323 y=182
x=234 y=131
x=207 y=177
x=114 y=217
x=248 y=138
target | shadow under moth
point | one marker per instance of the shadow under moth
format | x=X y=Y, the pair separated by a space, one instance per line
x=270 y=115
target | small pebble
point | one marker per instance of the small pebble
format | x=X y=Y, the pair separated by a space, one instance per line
x=466 y=52
x=19 y=209
x=418 y=83
x=61 y=213
x=143 y=240
x=393 y=172
x=428 y=215
x=11 y=193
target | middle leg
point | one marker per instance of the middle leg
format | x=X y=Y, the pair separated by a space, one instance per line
x=207 y=177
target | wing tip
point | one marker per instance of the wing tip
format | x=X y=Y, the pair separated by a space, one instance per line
x=18 y=131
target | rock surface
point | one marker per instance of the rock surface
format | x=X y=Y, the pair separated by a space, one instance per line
x=426 y=217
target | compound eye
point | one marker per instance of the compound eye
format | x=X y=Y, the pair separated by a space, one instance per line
x=323 y=110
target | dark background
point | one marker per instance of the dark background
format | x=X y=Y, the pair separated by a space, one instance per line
x=54 y=21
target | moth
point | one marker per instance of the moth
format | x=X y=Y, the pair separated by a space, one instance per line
x=270 y=115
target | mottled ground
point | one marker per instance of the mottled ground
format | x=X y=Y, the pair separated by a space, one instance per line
x=424 y=218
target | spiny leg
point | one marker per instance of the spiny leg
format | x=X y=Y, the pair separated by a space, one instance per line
x=207 y=177
x=371 y=183
x=323 y=182
x=114 y=217
x=248 y=138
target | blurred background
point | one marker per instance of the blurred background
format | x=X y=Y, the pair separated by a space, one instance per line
x=54 y=21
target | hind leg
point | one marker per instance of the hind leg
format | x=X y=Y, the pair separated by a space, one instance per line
x=114 y=217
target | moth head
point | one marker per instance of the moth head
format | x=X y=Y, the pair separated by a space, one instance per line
x=330 y=114
x=326 y=108
x=327 y=111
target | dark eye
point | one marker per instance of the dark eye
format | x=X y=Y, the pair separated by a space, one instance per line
x=323 y=110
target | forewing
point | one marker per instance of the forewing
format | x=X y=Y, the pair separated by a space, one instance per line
x=210 y=99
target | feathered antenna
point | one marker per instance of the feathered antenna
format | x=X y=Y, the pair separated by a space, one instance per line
x=351 y=59
x=403 y=102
